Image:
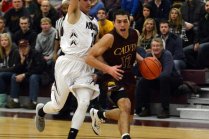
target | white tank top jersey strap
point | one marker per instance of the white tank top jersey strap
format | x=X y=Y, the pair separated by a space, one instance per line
x=79 y=37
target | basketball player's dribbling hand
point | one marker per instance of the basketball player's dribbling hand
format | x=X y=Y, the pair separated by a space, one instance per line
x=116 y=72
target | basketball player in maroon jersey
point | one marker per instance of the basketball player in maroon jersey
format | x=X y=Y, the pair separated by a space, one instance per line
x=118 y=49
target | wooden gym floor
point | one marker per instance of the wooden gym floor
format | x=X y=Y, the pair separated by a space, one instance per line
x=19 y=124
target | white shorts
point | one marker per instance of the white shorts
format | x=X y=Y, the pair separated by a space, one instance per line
x=71 y=73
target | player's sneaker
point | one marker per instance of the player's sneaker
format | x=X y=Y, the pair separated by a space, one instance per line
x=40 y=121
x=96 y=121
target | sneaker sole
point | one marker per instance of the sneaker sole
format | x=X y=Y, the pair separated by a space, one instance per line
x=36 y=117
x=93 y=121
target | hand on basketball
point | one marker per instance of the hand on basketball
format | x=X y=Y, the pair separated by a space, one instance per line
x=116 y=72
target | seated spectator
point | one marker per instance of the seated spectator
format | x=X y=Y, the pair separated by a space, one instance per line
x=105 y=25
x=32 y=7
x=29 y=70
x=25 y=32
x=160 y=10
x=146 y=13
x=197 y=55
x=45 y=43
x=173 y=43
x=46 y=11
x=111 y=6
x=133 y=7
x=95 y=6
x=192 y=11
x=9 y=57
x=149 y=32
x=12 y=15
x=179 y=27
x=166 y=83
x=3 y=29
x=6 y=5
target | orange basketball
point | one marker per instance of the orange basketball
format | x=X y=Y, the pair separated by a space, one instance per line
x=150 y=68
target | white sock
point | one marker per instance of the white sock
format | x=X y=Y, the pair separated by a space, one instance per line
x=125 y=135
x=104 y=114
x=16 y=100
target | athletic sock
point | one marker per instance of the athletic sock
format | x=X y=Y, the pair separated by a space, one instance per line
x=73 y=133
x=101 y=115
x=41 y=113
x=125 y=136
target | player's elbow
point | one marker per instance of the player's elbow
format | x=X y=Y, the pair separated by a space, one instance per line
x=88 y=59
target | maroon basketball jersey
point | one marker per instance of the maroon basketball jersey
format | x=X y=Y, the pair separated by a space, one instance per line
x=123 y=51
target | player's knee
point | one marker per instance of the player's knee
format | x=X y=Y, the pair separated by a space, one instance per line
x=124 y=105
x=83 y=104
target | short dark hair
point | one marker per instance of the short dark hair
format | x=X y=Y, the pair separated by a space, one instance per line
x=103 y=9
x=164 y=21
x=120 y=12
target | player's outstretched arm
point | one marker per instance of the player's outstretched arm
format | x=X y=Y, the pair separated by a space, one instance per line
x=73 y=11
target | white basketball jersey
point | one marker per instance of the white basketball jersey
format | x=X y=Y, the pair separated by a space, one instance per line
x=79 y=37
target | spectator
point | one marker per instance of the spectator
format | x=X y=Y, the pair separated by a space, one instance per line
x=133 y=7
x=45 y=12
x=173 y=43
x=9 y=57
x=32 y=7
x=167 y=82
x=105 y=25
x=25 y=32
x=12 y=16
x=178 y=26
x=95 y=6
x=160 y=10
x=146 y=13
x=3 y=29
x=29 y=69
x=149 y=31
x=45 y=43
x=6 y=5
x=191 y=11
x=198 y=53
x=111 y=6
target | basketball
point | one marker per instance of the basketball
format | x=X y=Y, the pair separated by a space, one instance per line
x=150 y=68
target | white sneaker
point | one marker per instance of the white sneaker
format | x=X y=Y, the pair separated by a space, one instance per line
x=95 y=124
x=40 y=121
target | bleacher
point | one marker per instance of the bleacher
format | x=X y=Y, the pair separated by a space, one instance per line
x=197 y=107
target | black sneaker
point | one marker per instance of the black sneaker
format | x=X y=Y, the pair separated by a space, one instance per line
x=31 y=106
x=163 y=114
x=11 y=104
x=144 y=113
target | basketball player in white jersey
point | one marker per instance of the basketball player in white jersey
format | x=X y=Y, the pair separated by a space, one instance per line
x=72 y=74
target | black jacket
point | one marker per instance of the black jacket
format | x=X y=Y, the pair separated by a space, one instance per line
x=30 y=35
x=9 y=63
x=174 y=45
x=34 y=64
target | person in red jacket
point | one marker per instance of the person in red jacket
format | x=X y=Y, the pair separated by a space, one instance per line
x=6 y=5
